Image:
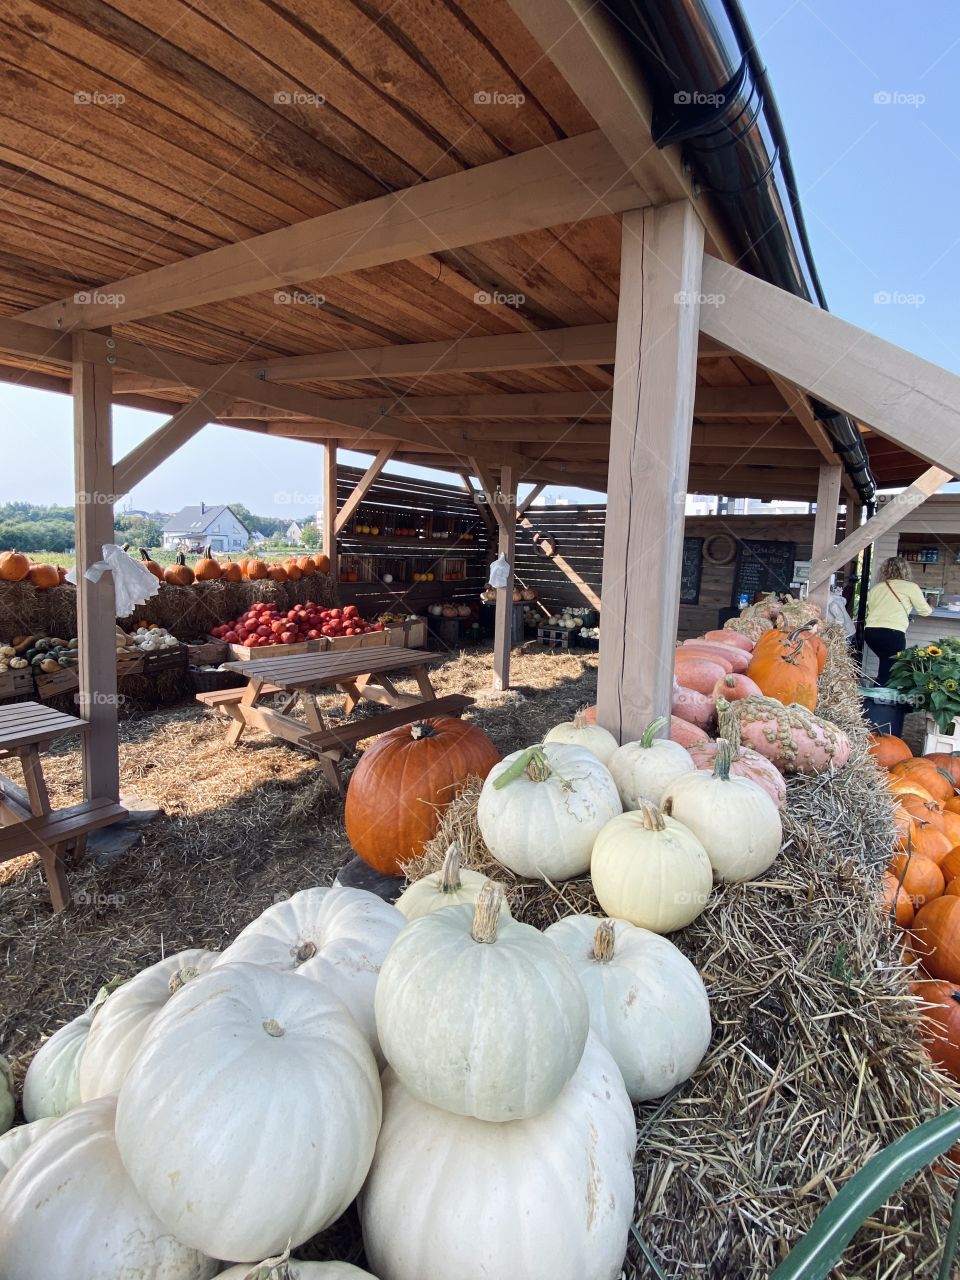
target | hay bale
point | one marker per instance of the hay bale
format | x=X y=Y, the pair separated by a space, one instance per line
x=816 y=1060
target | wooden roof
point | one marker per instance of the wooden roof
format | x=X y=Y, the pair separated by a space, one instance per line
x=135 y=136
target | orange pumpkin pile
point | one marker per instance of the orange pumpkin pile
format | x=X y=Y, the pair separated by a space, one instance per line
x=16 y=567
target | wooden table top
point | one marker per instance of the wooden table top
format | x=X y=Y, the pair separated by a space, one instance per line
x=23 y=724
x=304 y=670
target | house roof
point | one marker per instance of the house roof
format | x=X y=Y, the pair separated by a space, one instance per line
x=198 y=519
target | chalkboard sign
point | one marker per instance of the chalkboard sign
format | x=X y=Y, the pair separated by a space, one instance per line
x=763 y=567
x=690 y=572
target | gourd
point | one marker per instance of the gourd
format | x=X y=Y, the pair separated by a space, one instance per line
x=786 y=668
x=550 y=1198
x=580 y=732
x=14 y=566
x=650 y=870
x=337 y=936
x=178 y=574
x=207 y=569
x=51 y=1086
x=479 y=1014
x=68 y=1208
x=123 y=1019
x=541 y=809
x=733 y=687
x=8 y=1100
x=451 y=886
x=734 y=819
x=643 y=770
x=796 y=740
x=402 y=782
x=17 y=1140
x=249 y=1117
x=648 y=1004
x=294 y=1269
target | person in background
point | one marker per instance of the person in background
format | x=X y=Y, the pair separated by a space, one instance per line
x=888 y=613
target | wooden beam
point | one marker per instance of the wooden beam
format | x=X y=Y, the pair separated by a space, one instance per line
x=96 y=608
x=23 y=339
x=897 y=394
x=562 y=182
x=479 y=498
x=490 y=491
x=798 y=404
x=825 y=528
x=328 y=514
x=741 y=402
x=530 y=499
x=166 y=440
x=537 y=404
x=887 y=518
x=731 y=459
x=505 y=506
x=362 y=487
x=661 y=257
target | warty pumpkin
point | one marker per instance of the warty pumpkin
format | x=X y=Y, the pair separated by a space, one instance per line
x=921 y=878
x=786 y=668
x=152 y=565
x=43 y=576
x=888 y=750
x=207 y=569
x=14 y=566
x=403 y=780
x=793 y=737
x=178 y=574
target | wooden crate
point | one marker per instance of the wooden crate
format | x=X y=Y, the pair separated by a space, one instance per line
x=243 y=652
x=129 y=663
x=209 y=654
x=415 y=634
x=557 y=638
x=170 y=659
x=15 y=684
x=370 y=640
x=65 y=680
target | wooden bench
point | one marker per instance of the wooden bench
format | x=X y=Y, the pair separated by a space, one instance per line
x=346 y=736
x=226 y=697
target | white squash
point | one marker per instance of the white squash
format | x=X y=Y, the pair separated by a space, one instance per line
x=540 y=810
x=549 y=1198
x=644 y=770
x=249 y=1117
x=580 y=732
x=294 y=1269
x=734 y=818
x=451 y=886
x=120 y=1024
x=336 y=936
x=479 y=1014
x=15 y=1142
x=648 y=1004
x=650 y=870
x=8 y=1098
x=52 y=1083
x=67 y=1208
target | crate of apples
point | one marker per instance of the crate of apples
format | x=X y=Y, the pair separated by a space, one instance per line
x=266 y=624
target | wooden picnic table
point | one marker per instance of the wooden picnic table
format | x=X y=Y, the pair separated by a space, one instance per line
x=27 y=822
x=361 y=674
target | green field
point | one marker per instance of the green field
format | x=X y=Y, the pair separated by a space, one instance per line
x=271 y=554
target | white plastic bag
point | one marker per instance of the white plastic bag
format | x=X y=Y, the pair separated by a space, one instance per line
x=133 y=583
x=500 y=571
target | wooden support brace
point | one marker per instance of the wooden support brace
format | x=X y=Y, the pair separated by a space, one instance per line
x=825 y=528
x=166 y=440
x=530 y=499
x=362 y=487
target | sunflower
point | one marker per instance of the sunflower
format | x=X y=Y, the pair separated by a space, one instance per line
x=932 y=686
x=950 y=686
x=934 y=651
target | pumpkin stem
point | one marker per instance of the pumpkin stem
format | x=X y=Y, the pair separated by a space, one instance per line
x=651 y=731
x=273 y=1028
x=729 y=725
x=579 y=719
x=450 y=871
x=422 y=730
x=182 y=977
x=486 y=913
x=277 y=1268
x=722 y=760
x=603 y=942
x=306 y=951
x=652 y=817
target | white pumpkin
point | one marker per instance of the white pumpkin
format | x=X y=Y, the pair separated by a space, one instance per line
x=451 y=886
x=644 y=770
x=120 y=1024
x=15 y=1142
x=549 y=1198
x=648 y=1004
x=540 y=810
x=294 y=1269
x=580 y=732
x=336 y=936
x=650 y=870
x=67 y=1208
x=8 y=1098
x=249 y=1117
x=734 y=818
x=52 y=1083
x=479 y=1014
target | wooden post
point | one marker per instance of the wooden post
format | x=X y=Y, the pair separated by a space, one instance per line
x=825 y=527
x=650 y=432
x=96 y=608
x=505 y=504
x=329 y=505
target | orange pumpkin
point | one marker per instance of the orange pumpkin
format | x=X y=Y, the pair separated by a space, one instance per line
x=43 y=576
x=276 y=573
x=888 y=750
x=402 y=782
x=939 y=784
x=941 y=1023
x=936 y=930
x=14 y=566
x=951 y=826
x=893 y=891
x=231 y=572
x=925 y=840
x=256 y=570
x=953 y=886
x=306 y=566
x=322 y=563
x=786 y=668
x=921 y=878
x=907 y=787
x=179 y=574
x=922 y=810
x=152 y=565
x=207 y=569
x=61 y=574
x=950 y=865
x=948 y=762
x=293 y=570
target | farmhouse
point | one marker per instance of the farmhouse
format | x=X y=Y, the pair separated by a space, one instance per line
x=214 y=526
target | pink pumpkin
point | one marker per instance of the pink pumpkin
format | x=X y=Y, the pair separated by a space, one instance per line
x=698 y=673
x=696 y=708
x=735 y=686
x=738 y=659
x=687 y=734
x=796 y=740
x=732 y=638
x=746 y=763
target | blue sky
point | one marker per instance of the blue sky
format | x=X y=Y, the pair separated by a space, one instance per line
x=867 y=90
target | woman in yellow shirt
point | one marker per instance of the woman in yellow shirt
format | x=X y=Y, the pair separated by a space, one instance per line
x=888 y=613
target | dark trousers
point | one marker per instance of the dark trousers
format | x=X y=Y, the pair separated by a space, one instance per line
x=886 y=644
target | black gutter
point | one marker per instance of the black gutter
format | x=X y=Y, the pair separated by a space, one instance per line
x=712 y=96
